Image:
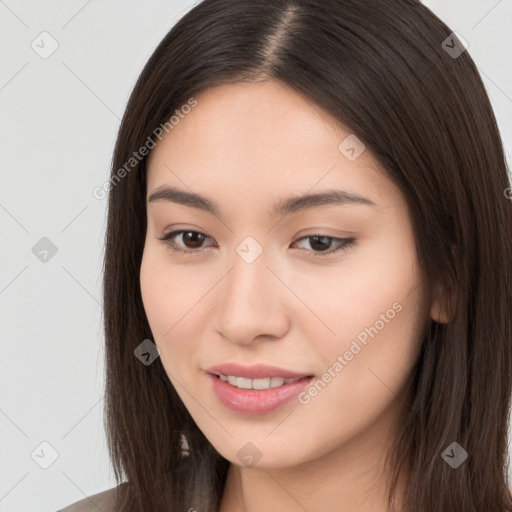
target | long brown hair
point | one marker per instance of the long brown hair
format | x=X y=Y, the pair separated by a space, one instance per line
x=385 y=70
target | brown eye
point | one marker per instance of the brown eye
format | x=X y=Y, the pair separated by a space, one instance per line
x=320 y=244
x=192 y=240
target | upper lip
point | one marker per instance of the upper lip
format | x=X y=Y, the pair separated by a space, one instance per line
x=257 y=371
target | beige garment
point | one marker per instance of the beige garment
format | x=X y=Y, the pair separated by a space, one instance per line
x=101 y=502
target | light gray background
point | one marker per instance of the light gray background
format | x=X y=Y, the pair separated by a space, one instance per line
x=58 y=121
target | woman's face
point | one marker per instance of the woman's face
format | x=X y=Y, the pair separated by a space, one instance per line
x=263 y=285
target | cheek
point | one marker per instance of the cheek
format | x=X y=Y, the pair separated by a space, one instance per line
x=169 y=297
x=166 y=292
x=367 y=288
x=154 y=294
x=384 y=351
x=375 y=310
x=362 y=380
x=164 y=298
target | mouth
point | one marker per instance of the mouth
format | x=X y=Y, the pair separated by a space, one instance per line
x=256 y=396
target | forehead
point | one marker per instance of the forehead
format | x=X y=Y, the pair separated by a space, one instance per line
x=254 y=119
x=258 y=138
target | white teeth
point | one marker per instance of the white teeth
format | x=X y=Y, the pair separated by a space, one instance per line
x=267 y=383
x=261 y=383
x=243 y=383
x=275 y=382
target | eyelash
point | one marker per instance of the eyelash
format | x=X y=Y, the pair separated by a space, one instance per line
x=344 y=245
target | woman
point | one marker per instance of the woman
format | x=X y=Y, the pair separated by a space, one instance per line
x=308 y=261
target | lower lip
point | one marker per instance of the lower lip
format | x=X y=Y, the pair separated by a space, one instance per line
x=254 y=401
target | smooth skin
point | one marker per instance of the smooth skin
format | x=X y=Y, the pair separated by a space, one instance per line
x=246 y=147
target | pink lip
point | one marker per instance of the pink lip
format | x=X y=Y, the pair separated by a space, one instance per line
x=255 y=401
x=258 y=371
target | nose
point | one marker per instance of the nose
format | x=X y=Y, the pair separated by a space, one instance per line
x=252 y=303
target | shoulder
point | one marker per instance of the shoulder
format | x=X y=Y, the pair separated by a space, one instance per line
x=103 y=501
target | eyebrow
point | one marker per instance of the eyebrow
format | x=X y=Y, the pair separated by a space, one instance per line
x=284 y=207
